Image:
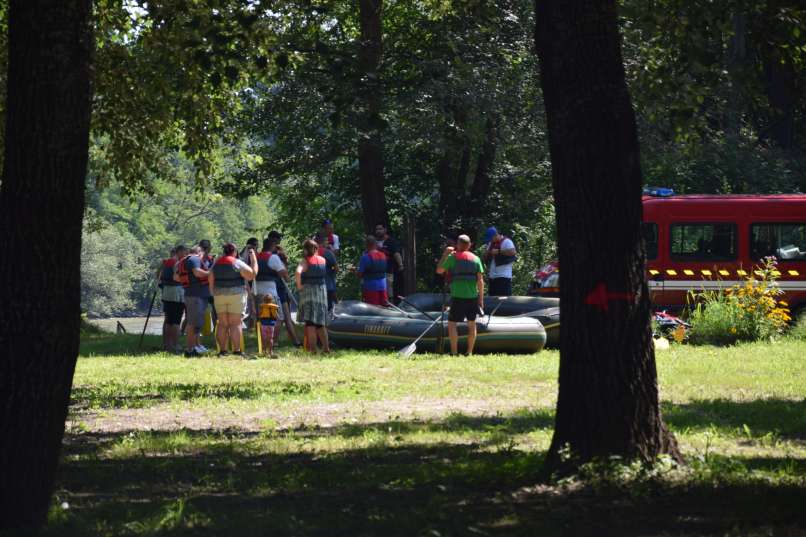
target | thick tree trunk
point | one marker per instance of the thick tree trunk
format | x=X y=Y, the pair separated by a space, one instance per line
x=608 y=395
x=41 y=209
x=481 y=181
x=370 y=144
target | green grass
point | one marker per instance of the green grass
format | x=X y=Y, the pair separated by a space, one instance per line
x=369 y=444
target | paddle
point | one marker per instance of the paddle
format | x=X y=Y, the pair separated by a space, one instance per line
x=501 y=301
x=408 y=350
x=415 y=307
x=145 y=325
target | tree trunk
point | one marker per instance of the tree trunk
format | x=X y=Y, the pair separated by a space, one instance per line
x=370 y=144
x=41 y=210
x=481 y=180
x=608 y=395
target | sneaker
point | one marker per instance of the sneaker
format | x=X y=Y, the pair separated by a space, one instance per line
x=237 y=353
x=191 y=354
x=222 y=353
x=201 y=349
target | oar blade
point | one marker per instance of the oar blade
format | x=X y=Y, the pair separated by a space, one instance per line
x=407 y=351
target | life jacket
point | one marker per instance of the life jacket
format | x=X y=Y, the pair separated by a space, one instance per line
x=226 y=274
x=376 y=269
x=315 y=274
x=466 y=267
x=268 y=311
x=264 y=272
x=185 y=275
x=499 y=258
x=167 y=275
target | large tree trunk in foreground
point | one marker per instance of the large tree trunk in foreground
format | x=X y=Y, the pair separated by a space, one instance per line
x=608 y=394
x=370 y=144
x=41 y=210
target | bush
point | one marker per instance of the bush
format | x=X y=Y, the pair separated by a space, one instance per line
x=741 y=313
x=798 y=330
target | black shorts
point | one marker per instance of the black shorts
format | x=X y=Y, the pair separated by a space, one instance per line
x=463 y=308
x=310 y=323
x=173 y=312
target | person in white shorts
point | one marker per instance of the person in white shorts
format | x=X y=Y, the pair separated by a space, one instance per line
x=270 y=270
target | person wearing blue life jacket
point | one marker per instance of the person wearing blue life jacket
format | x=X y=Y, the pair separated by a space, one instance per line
x=173 y=299
x=501 y=255
x=228 y=277
x=372 y=269
x=310 y=280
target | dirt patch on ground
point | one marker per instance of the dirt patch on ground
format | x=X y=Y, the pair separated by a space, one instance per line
x=325 y=415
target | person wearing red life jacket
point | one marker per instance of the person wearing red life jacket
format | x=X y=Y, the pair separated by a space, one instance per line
x=192 y=272
x=372 y=270
x=271 y=272
x=326 y=233
x=310 y=280
x=467 y=289
x=500 y=254
x=173 y=299
x=228 y=277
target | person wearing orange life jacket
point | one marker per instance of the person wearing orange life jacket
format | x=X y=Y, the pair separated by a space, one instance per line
x=372 y=270
x=500 y=254
x=310 y=280
x=270 y=270
x=192 y=272
x=467 y=289
x=228 y=278
x=173 y=299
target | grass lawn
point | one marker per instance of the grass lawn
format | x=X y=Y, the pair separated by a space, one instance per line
x=369 y=444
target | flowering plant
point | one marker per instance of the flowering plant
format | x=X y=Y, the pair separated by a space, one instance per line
x=746 y=312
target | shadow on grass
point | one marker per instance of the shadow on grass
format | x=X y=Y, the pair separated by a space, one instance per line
x=122 y=395
x=231 y=488
x=779 y=417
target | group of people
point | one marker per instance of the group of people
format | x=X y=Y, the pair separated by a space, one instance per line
x=234 y=286
x=252 y=287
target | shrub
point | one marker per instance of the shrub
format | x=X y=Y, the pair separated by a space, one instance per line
x=798 y=330
x=746 y=312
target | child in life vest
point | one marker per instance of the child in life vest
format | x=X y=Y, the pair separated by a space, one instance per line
x=268 y=320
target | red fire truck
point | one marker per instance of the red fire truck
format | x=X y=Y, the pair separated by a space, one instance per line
x=699 y=242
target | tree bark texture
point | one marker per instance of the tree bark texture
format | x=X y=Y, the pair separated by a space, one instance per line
x=608 y=391
x=41 y=211
x=370 y=143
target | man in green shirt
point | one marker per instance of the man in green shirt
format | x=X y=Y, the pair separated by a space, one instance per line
x=467 y=289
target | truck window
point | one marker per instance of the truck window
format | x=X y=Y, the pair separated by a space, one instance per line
x=703 y=242
x=650 y=232
x=787 y=242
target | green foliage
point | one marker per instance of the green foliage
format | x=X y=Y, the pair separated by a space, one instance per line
x=110 y=266
x=798 y=329
x=742 y=313
x=126 y=237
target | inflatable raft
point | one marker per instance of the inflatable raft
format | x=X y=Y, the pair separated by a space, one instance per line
x=544 y=309
x=359 y=325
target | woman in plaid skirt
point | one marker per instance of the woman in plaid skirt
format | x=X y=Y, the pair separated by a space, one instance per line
x=310 y=279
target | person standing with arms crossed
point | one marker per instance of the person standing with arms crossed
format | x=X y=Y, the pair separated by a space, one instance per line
x=467 y=290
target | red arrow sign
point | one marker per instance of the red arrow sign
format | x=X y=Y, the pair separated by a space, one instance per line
x=600 y=297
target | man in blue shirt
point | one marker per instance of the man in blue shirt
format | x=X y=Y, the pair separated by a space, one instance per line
x=197 y=296
x=372 y=271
